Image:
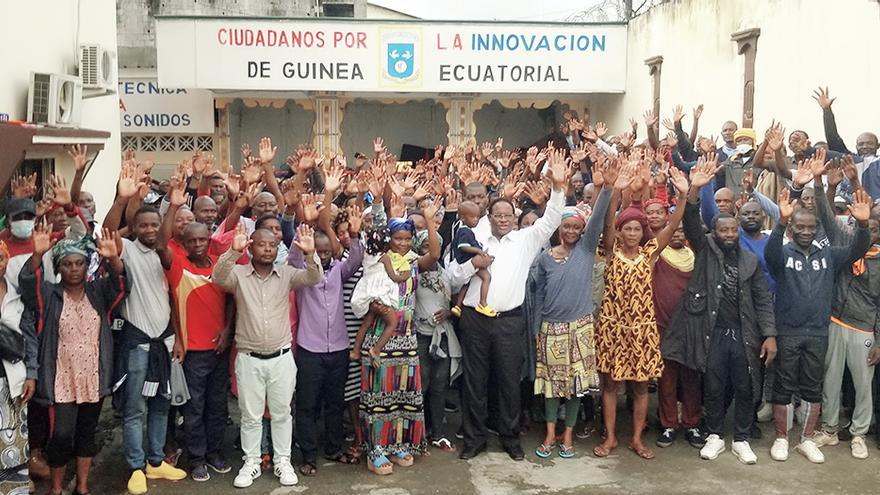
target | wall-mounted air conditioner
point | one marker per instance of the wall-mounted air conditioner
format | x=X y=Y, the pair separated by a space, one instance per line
x=97 y=67
x=54 y=100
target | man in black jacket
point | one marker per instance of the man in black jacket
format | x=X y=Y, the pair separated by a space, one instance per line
x=805 y=275
x=724 y=326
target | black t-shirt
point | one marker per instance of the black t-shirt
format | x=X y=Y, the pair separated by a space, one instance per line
x=728 y=309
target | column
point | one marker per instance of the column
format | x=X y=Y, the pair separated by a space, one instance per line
x=327 y=120
x=460 y=118
x=655 y=65
x=747 y=46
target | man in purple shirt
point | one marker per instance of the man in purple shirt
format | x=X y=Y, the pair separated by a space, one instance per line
x=322 y=352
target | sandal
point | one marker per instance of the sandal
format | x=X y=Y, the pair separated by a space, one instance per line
x=345 y=458
x=380 y=466
x=486 y=310
x=601 y=451
x=644 y=452
x=403 y=459
x=443 y=444
x=566 y=452
x=545 y=451
x=308 y=469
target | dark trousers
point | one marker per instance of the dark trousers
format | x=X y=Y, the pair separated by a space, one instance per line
x=320 y=383
x=800 y=368
x=678 y=378
x=204 y=414
x=38 y=425
x=727 y=366
x=435 y=382
x=492 y=346
x=73 y=433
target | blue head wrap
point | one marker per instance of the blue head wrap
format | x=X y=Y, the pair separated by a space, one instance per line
x=398 y=224
x=65 y=247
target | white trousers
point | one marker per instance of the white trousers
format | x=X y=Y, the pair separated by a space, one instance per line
x=261 y=382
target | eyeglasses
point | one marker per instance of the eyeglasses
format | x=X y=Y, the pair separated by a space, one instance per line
x=502 y=216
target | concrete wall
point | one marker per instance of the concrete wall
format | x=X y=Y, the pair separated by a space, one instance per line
x=803 y=44
x=421 y=123
x=54 y=49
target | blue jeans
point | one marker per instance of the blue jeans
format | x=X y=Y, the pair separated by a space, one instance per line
x=140 y=411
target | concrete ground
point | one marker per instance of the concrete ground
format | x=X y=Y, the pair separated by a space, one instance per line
x=676 y=469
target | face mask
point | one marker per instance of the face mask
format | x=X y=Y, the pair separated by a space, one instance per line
x=22 y=229
x=743 y=148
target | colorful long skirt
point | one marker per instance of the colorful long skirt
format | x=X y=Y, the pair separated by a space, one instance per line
x=13 y=444
x=566 y=359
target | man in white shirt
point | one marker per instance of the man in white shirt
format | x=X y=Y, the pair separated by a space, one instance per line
x=496 y=346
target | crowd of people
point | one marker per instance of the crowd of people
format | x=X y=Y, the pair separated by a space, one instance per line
x=591 y=267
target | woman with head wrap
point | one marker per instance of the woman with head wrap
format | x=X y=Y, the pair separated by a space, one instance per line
x=627 y=340
x=13 y=396
x=559 y=313
x=387 y=347
x=71 y=365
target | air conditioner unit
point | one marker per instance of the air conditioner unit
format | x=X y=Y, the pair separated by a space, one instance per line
x=54 y=100
x=97 y=67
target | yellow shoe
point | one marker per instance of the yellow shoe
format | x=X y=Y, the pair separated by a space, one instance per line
x=137 y=484
x=165 y=471
x=486 y=310
x=456 y=311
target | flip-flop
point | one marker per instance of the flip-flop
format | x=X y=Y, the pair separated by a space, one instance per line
x=308 y=469
x=644 y=452
x=600 y=451
x=402 y=459
x=566 y=452
x=545 y=451
x=344 y=458
x=380 y=466
x=443 y=444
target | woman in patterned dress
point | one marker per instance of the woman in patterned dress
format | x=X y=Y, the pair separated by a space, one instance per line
x=391 y=406
x=627 y=339
x=74 y=345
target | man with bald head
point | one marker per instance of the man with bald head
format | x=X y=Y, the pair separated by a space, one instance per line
x=205 y=211
x=204 y=330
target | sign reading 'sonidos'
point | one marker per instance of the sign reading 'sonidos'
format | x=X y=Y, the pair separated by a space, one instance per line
x=323 y=55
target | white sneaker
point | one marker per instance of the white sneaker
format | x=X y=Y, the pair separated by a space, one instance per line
x=779 y=450
x=809 y=450
x=765 y=413
x=823 y=438
x=713 y=448
x=247 y=474
x=858 y=448
x=285 y=473
x=743 y=452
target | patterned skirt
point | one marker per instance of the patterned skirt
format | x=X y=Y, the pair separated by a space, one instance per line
x=391 y=412
x=628 y=353
x=566 y=359
x=13 y=444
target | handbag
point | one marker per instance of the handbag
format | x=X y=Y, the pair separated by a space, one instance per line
x=11 y=344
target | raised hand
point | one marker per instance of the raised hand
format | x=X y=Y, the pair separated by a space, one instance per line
x=310 y=207
x=199 y=163
x=267 y=151
x=607 y=174
x=679 y=181
x=668 y=124
x=535 y=192
x=601 y=129
x=818 y=165
x=108 y=246
x=355 y=219
x=232 y=183
x=650 y=119
x=835 y=173
x=42 y=238
x=698 y=112
x=252 y=172
x=677 y=113
x=786 y=206
x=24 y=186
x=823 y=98
x=626 y=140
x=305 y=239
x=861 y=207
x=240 y=241
x=803 y=175
x=177 y=195
x=60 y=191
x=78 y=154
x=748 y=181
x=245 y=151
x=557 y=169
x=333 y=179
x=379 y=146
x=397 y=207
x=453 y=199
x=704 y=171
x=850 y=170
x=671 y=140
x=128 y=184
x=775 y=135
x=625 y=176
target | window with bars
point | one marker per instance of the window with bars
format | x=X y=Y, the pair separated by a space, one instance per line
x=169 y=142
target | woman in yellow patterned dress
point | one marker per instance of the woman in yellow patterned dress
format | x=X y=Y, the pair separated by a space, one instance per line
x=627 y=340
